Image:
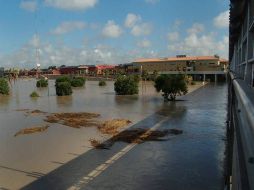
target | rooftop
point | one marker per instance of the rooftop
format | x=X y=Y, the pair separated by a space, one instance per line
x=181 y=58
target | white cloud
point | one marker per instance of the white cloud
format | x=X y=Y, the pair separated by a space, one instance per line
x=131 y=20
x=173 y=36
x=144 y=43
x=137 y=26
x=28 y=5
x=198 y=42
x=152 y=1
x=68 y=26
x=205 y=44
x=112 y=30
x=141 y=29
x=196 y=28
x=222 y=20
x=71 y=5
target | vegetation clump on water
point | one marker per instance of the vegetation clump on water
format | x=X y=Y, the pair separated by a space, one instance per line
x=171 y=86
x=102 y=83
x=63 y=86
x=42 y=83
x=4 y=87
x=32 y=130
x=78 y=82
x=126 y=85
x=34 y=94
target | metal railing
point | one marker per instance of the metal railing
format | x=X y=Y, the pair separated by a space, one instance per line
x=240 y=149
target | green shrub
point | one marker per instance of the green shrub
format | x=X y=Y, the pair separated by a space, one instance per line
x=34 y=94
x=78 y=82
x=4 y=87
x=42 y=83
x=102 y=83
x=63 y=88
x=171 y=86
x=63 y=79
x=126 y=85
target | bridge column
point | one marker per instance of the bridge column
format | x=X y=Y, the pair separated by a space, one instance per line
x=215 y=78
x=204 y=78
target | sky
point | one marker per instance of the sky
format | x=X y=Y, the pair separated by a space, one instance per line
x=77 y=32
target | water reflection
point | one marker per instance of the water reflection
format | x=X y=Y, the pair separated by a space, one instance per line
x=64 y=101
x=4 y=100
x=126 y=100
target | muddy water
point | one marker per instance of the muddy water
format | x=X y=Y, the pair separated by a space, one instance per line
x=25 y=158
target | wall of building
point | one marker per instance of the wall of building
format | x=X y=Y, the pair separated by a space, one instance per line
x=182 y=66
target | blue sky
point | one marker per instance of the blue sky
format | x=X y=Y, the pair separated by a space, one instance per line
x=74 y=32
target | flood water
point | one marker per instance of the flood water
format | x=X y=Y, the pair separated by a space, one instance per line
x=26 y=158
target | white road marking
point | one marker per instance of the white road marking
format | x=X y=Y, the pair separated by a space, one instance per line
x=98 y=170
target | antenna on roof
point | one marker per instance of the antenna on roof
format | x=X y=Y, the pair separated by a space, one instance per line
x=37 y=43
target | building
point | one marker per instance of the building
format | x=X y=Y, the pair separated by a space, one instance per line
x=73 y=70
x=101 y=69
x=200 y=67
x=1 y=71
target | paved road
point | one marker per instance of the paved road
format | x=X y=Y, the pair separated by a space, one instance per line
x=192 y=160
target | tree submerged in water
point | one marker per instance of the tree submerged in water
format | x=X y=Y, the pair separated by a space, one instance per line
x=171 y=86
x=126 y=85
x=4 y=87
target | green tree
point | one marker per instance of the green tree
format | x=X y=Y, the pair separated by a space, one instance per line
x=145 y=75
x=78 y=82
x=42 y=83
x=4 y=87
x=63 y=86
x=34 y=94
x=171 y=86
x=63 y=79
x=155 y=75
x=102 y=83
x=126 y=85
x=63 y=89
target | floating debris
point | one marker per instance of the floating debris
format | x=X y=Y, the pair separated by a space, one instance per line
x=32 y=130
x=31 y=112
x=111 y=127
x=35 y=112
x=137 y=136
x=22 y=110
x=98 y=145
x=75 y=120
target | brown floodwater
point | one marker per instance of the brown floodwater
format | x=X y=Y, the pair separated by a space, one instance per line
x=25 y=158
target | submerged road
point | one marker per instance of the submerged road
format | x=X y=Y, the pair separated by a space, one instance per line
x=192 y=160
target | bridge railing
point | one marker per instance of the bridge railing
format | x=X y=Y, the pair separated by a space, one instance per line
x=240 y=170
